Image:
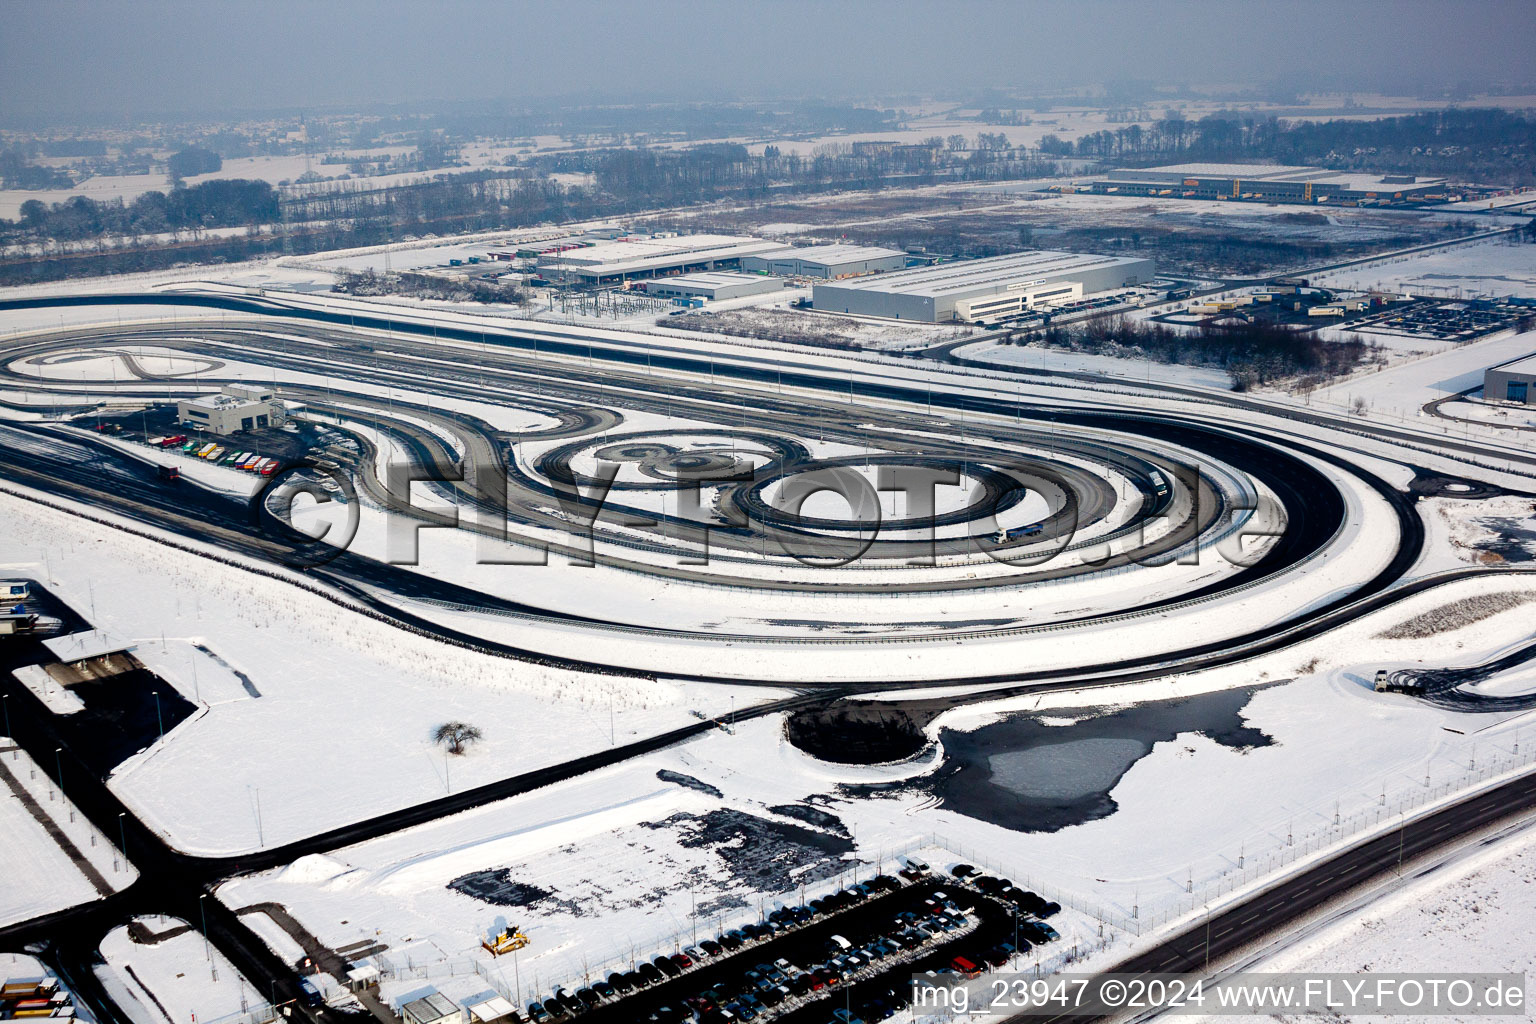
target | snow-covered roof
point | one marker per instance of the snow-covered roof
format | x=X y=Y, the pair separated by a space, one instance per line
x=1233 y=170
x=643 y=254
x=832 y=253
x=491 y=1009
x=944 y=278
x=1525 y=364
x=94 y=643
x=713 y=279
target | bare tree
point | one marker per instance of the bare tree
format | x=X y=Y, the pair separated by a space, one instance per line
x=456 y=736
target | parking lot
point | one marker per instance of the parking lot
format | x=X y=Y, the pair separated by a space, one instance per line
x=847 y=957
x=1447 y=321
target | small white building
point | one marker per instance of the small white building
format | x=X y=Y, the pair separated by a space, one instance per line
x=434 y=1008
x=237 y=407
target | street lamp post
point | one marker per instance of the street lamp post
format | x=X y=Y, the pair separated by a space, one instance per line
x=203 y=909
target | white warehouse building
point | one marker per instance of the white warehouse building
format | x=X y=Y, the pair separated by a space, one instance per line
x=984 y=289
x=828 y=261
x=649 y=256
x=720 y=284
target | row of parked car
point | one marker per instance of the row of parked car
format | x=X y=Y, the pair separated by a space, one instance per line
x=212 y=452
x=766 y=988
x=762 y=987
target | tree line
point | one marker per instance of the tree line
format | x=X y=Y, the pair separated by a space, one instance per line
x=213 y=204
x=1483 y=145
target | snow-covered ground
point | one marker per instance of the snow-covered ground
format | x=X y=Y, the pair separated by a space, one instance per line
x=1492 y=268
x=1401 y=391
x=174 y=976
x=40 y=877
x=1032 y=357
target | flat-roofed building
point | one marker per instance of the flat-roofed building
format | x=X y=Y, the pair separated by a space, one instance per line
x=972 y=290
x=649 y=256
x=714 y=285
x=432 y=1008
x=830 y=261
x=236 y=407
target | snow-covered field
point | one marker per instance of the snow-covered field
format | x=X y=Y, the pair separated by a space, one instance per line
x=39 y=876
x=1401 y=391
x=173 y=976
x=1493 y=268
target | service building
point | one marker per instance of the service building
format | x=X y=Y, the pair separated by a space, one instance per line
x=236 y=407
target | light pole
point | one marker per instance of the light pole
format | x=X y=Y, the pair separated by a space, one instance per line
x=159 y=717
x=58 y=765
x=203 y=909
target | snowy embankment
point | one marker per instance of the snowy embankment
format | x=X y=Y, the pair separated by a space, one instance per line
x=1023 y=358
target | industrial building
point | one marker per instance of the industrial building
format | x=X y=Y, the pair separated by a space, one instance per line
x=1272 y=183
x=984 y=289
x=829 y=261
x=648 y=256
x=711 y=286
x=1514 y=381
x=236 y=407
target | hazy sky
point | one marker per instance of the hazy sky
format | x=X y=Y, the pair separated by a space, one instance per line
x=59 y=58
